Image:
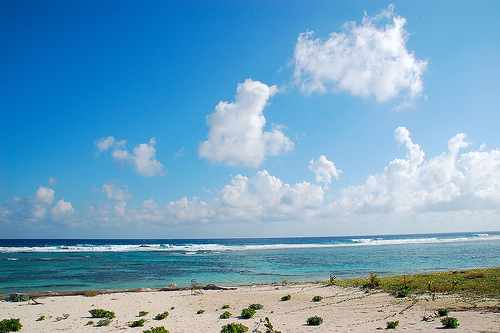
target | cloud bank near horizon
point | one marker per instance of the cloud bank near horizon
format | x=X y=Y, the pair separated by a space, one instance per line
x=448 y=182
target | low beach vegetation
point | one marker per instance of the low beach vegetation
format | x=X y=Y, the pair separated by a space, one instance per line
x=314 y=321
x=42 y=317
x=234 y=328
x=257 y=306
x=392 y=324
x=90 y=293
x=101 y=313
x=267 y=324
x=404 y=291
x=317 y=298
x=450 y=322
x=143 y=313
x=103 y=322
x=138 y=323
x=21 y=298
x=226 y=306
x=480 y=282
x=161 y=316
x=200 y=311
x=226 y=315
x=64 y=317
x=443 y=312
x=90 y=322
x=247 y=313
x=10 y=325
x=159 y=329
x=286 y=298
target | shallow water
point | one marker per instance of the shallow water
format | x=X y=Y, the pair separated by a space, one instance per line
x=40 y=265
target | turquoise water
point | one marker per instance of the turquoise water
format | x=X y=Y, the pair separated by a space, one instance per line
x=41 y=265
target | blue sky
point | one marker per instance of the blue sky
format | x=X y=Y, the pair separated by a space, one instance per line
x=196 y=119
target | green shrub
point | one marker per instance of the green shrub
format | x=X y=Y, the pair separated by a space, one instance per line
x=10 y=325
x=392 y=324
x=234 y=328
x=286 y=298
x=257 y=306
x=100 y=313
x=317 y=298
x=226 y=306
x=226 y=315
x=247 y=313
x=443 y=312
x=450 y=322
x=143 y=313
x=42 y=317
x=161 y=316
x=138 y=323
x=104 y=322
x=269 y=326
x=200 y=311
x=159 y=329
x=315 y=321
x=404 y=291
x=90 y=322
x=21 y=298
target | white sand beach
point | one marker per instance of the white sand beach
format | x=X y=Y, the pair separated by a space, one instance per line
x=342 y=310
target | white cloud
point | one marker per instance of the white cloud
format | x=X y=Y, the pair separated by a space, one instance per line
x=115 y=193
x=324 y=169
x=237 y=136
x=61 y=210
x=143 y=157
x=370 y=60
x=27 y=212
x=52 y=181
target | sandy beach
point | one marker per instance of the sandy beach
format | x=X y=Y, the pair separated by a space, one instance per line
x=342 y=310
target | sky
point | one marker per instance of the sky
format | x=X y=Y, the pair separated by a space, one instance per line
x=214 y=119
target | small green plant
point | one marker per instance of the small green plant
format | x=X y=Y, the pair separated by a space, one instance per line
x=286 y=298
x=257 y=306
x=450 y=322
x=42 y=317
x=404 y=291
x=374 y=280
x=314 y=321
x=226 y=306
x=317 y=298
x=104 y=322
x=234 y=328
x=226 y=315
x=90 y=322
x=138 y=323
x=443 y=312
x=332 y=280
x=247 y=313
x=10 y=325
x=161 y=316
x=200 y=311
x=269 y=326
x=90 y=293
x=392 y=324
x=65 y=316
x=159 y=329
x=21 y=298
x=100 y=313
x=143 y=313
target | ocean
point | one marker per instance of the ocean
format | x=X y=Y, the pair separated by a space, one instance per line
x=29 y=265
